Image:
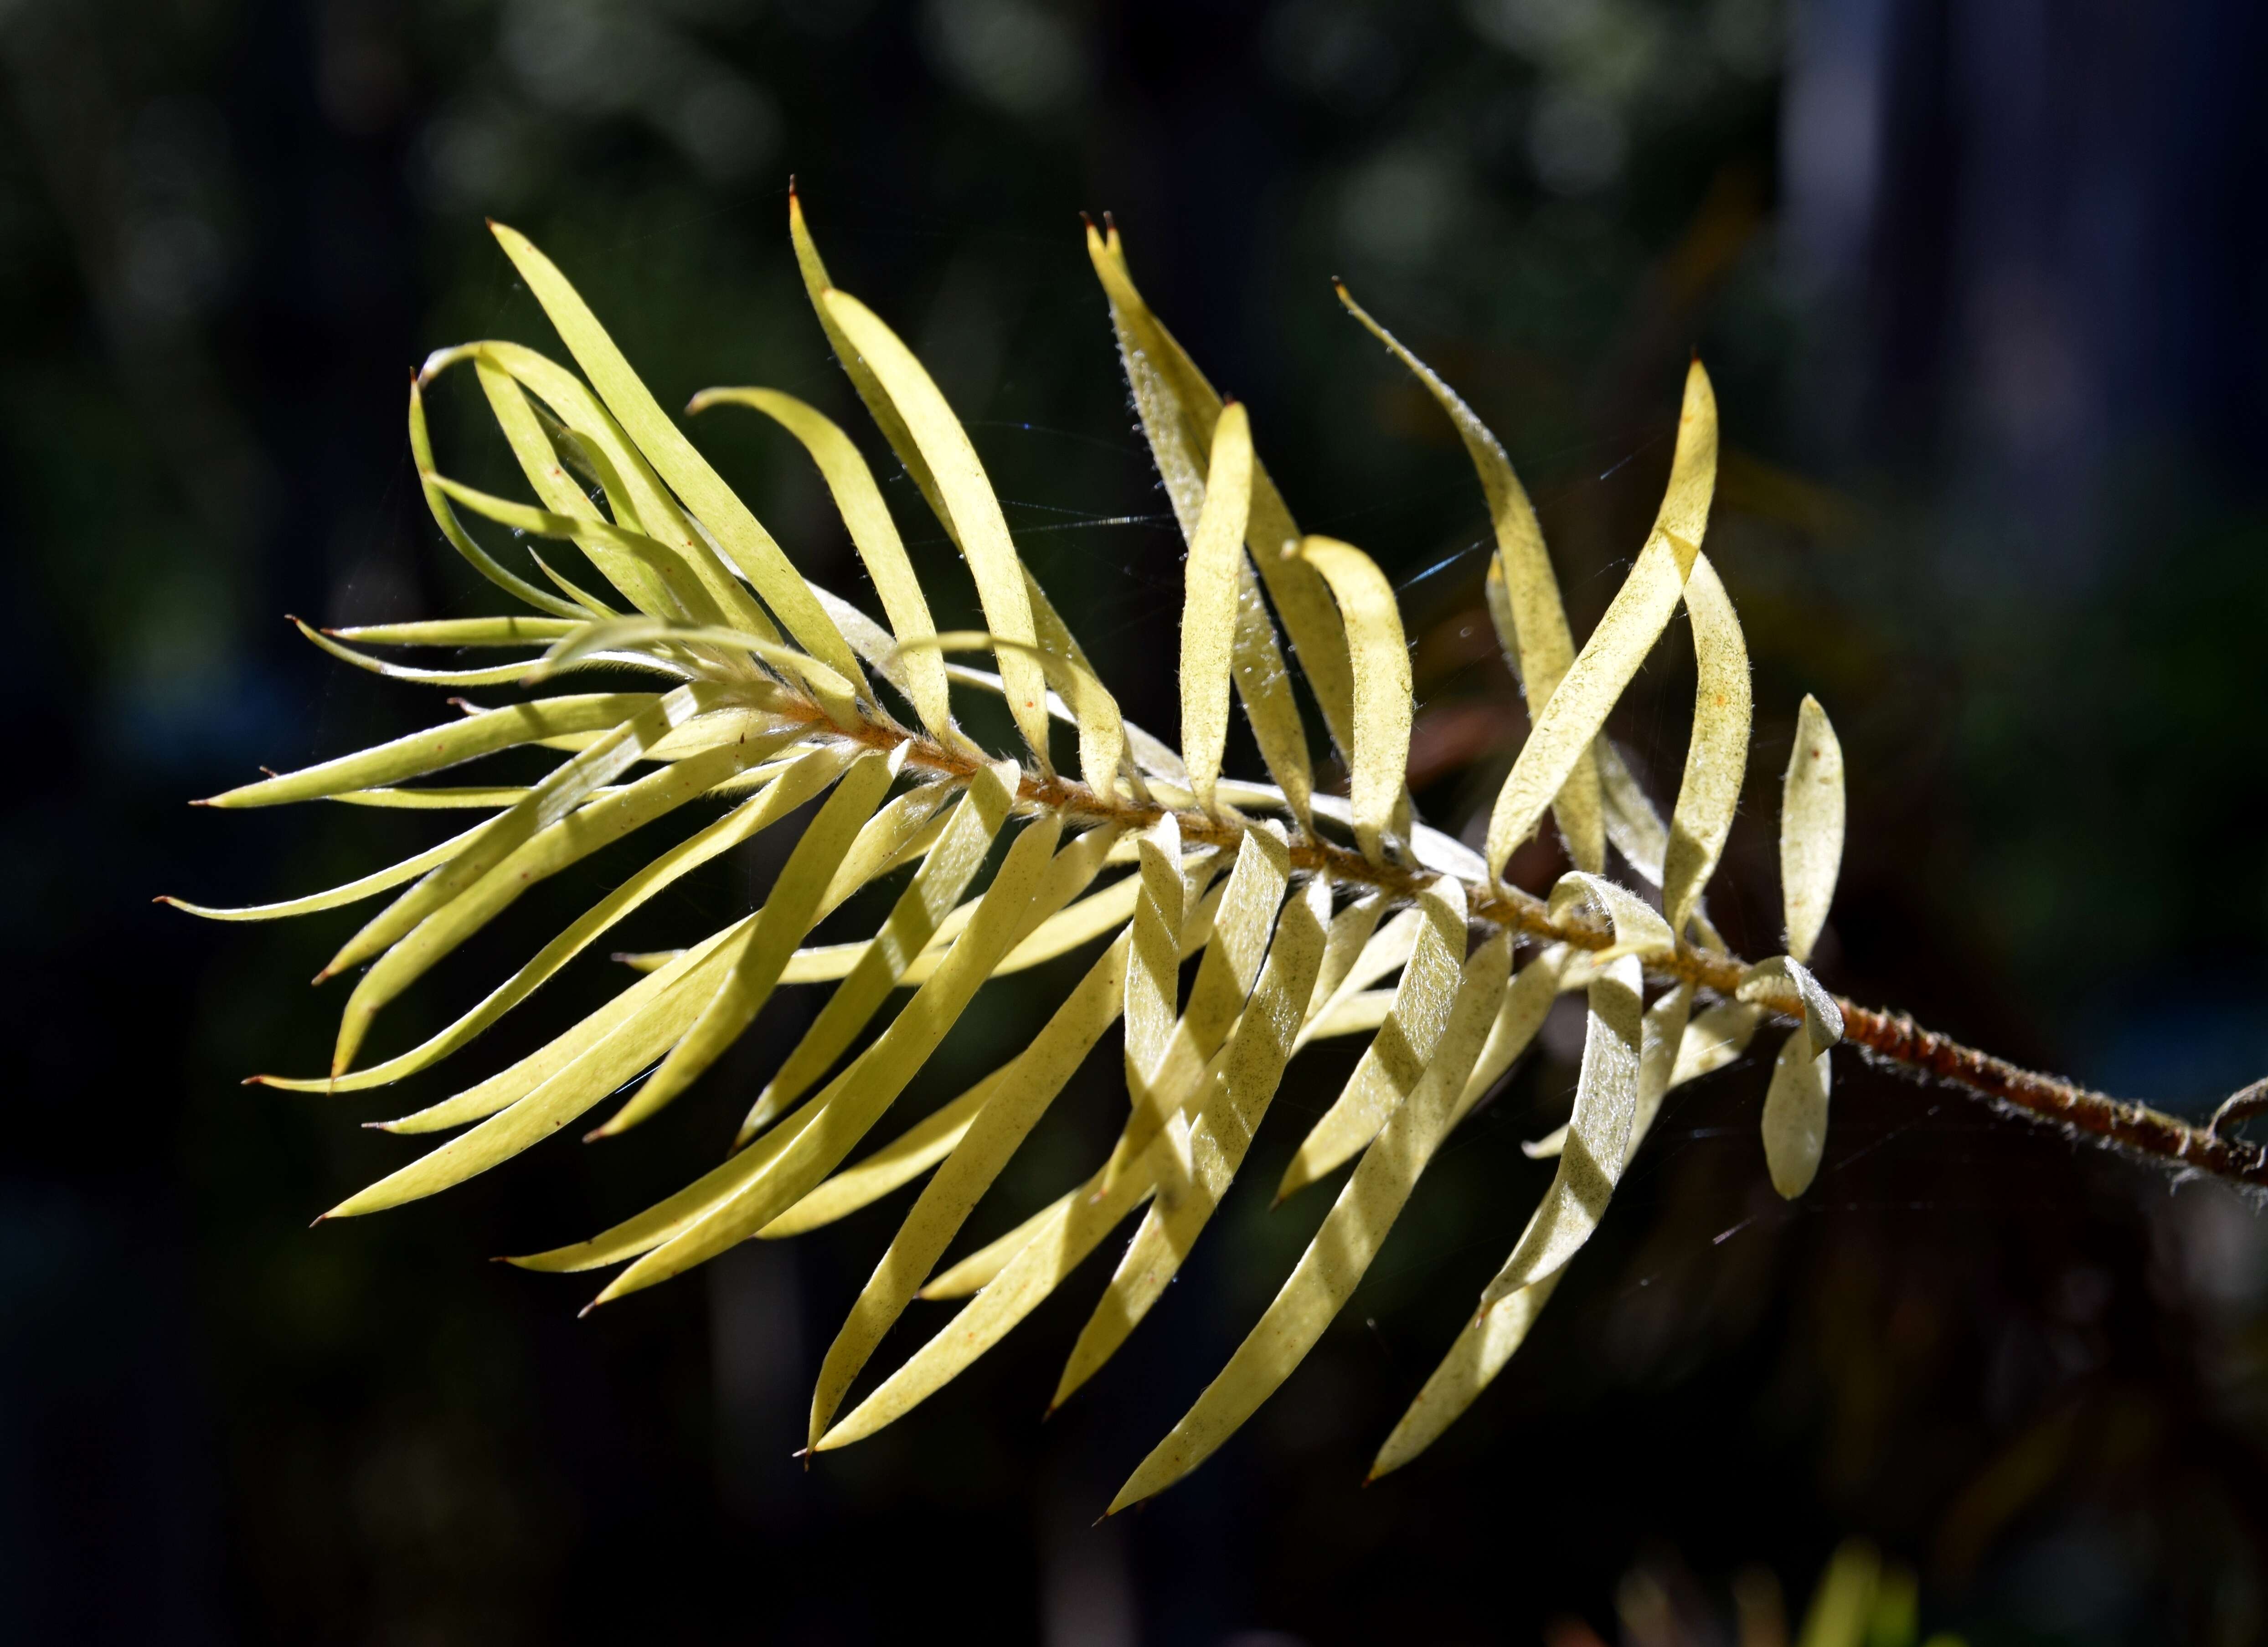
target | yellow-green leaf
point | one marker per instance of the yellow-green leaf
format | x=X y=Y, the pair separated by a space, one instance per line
x=1093 y=711
x=1209 y=604
x=1179 y=410
x=1391 y=1064
x=971 y=508
x=1795 y=1103
x=1491 y=1337
x=354 y=891
x=904 y=1159
x=1606 y=1090
x=1263 y=686
x=1015 y=1099
x=790 y=911
x=421 y=451
x=1810 y=827
x=608 y=1047
x=1523 y=595
x=707 y=496
x=488 y=675
x=1253 y=1068
x=1568 y=723
x=1379 y=758
x=811 y=773
x=419 y=753
x=1161 y=1084
x=462 y=632
x=597 y=824
x=854 y=1100
x=874 y=534
x=906 y=933
x=1717 y=755
x=1351 y=1235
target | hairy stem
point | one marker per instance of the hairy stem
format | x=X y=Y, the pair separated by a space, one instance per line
x=1887 y=1038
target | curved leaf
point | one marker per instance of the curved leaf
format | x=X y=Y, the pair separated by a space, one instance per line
x=1577 y=711
x=1379 y=759
x=707 y=496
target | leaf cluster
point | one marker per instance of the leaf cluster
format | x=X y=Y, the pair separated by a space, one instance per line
x=1307 y=916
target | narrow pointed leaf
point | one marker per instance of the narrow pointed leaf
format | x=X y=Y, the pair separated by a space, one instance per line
x=707 y=496
x=1162 y=1084
x=1263 y=686
x=421 y=451
x=516 y=631
x=1577 y=711
x=1349 y=940
x=491 y=675
x=596 y=825
x=873 y=533
x=1179 y=410
x=905 y=933
x=1717 y=1036
x=811 y=774
x=1351 y=1235
x=1015 y=1100
x=1093 y=711
x=854 y=1100
x=1392 y=1065
x=1606 y=1092
x=591 y=438
x=354 y=891
x=1523 y=595
x=566 y=787
x=1491 y=1337
x=419 y=753
x=624 y=1042
x=1262 y=1043
x=790 y=911
x=899 y=1162
x=1518 y=1020
x=970 y=505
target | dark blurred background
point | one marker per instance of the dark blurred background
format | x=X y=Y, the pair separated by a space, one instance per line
x=1982 y=285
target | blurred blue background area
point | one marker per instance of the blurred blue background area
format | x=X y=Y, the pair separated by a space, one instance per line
x=1984 y=293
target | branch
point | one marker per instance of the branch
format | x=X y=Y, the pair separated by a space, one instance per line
x=1887 y=1038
